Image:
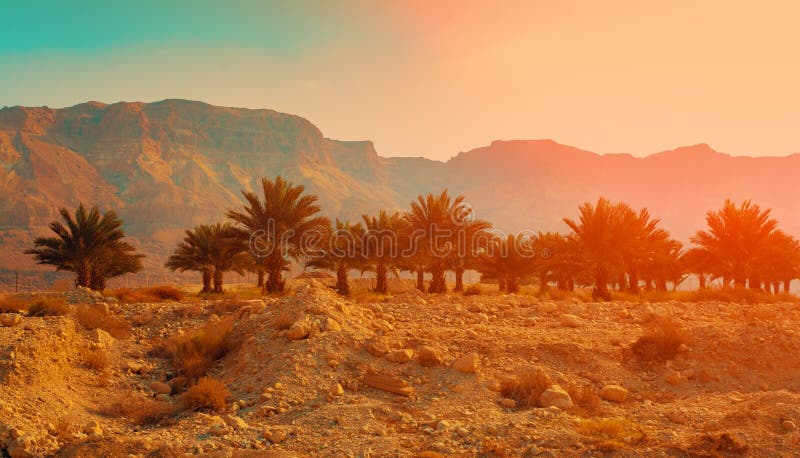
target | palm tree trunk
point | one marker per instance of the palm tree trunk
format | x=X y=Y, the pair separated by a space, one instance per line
x=97 y=281
x=380 y=279
x=702 y=279
x=786 y=285
x=207 y=274
x=342 y=286
x=438 y=285
x=543 y=285
x=218 y=281
x=459 y=279
x=512 y=285
x=633 y=281
x=274 y=281
x=420 y=279
x=82 y=275
x=600 y=290
x=260 y=281
x=501 y=282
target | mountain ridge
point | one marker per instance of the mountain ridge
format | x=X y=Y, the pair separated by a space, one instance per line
x=169 y=165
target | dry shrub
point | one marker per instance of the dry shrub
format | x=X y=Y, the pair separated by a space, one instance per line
x=585 y=398
x=13 y=304
x=284 y=320
x=152 y=294
x=190 y=311
x=612 y=433
x=139 y=410
x=661 y=340
x=96 y=359
x=143 y=318
x=526 y=387
x=194 y=354
x=208 y=393
x=97 y=318
x=473 y=290
x=226 y=306
x=48 y=306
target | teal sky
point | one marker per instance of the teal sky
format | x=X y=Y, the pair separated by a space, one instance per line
x=433 y=78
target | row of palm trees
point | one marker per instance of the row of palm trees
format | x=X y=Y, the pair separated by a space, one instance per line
x=610 y=245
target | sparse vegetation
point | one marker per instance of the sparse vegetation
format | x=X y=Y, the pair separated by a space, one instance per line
x=96 y=358
x=48 y=306
x=585 y=398
x=526 y=387
x=611 y=433
x=161 y=293
x=139 y=410
x=194 y=354
x=661 y=340
x=473 y=290
x=284 y=320
x=94 y=317
x=208 y=393
x=13 y=304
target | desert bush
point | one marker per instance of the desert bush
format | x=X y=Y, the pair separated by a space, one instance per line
x=153 y=294
x=48 y=306
x=96 y=358
x=284 y=320
x=526 y=387
x=190 y=311
x=194 y=354
x=143 y=318
x=139 y=410
x=226 y=306
x=585 y=398
x=611 y=433
x=661 y=340
x=13 y=304
x=97 y=318
x=473 y=290
x=208 y=393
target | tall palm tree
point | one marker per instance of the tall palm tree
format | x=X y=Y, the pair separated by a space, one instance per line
x=467 y=235
x=508 y=259
x=278 y=227
x=737 y=239
x=212 y=250
x=598 y=234
x=90 y=244
x=380 y=245
x=341 y=253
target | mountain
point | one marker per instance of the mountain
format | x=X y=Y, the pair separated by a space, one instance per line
x=170 y=165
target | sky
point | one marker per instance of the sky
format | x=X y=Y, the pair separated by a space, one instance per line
x=433 y=78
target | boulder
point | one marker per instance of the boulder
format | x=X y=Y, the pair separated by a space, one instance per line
x=428 y=357
x=400 y=356
x=555 y=396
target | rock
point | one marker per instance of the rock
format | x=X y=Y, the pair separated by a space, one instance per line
x=377 y=348
x=677 y=417
x=427 y=356
x=614 y=393
x=508 y=403
x=390 y=384
x=683 y=348
x=219 y=430
x=788 y=425
x=571 y=321
x=101 y=338
x=93 y=430
x=337 y=390
x=623 y=314
x=236 y=422
x=555 y=396
x=22 y=447
x=276 y=436
x=462 y=431
x=332 y=325
x=178 y=384
x=673 y=378
x=400 y=356
x=467 y=364
x=160 y=388
x=299 y=330
x=10 y=320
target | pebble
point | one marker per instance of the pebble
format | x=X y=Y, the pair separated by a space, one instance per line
x=467 y=364
x=614 y=393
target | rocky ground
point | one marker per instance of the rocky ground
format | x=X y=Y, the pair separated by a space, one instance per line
x=314 y=374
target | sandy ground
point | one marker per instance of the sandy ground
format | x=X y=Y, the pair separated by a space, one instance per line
x=731 y=390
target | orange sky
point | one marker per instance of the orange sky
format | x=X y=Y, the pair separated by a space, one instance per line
x=436 y=78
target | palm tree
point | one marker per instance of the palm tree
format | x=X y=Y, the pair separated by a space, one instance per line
x=467 y=235
x=279 y=226
x=341 y=253
x=599 y=237
x=212 y=250
x=508 y=259
x=435 y=218
x=737 y=240
x=89 y=244
x=380 y=245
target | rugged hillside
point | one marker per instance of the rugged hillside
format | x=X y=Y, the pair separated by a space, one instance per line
x=169 y=165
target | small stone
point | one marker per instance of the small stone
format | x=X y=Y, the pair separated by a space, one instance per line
x=101 y=338
x=677 y=417
x=508 y=403
x=299 y=330
x=219 y=430
x=337 y=390
x=674 y=378
x=614 y=393
x=555 y=396
x=236 y=422
x=462 y=431
x=467 y=364
x=22 y=447
x=332 y=325
x=377 y=348
x=161 y=388
x=428 y=357
x=400 y=356
x=788 y=425
x=571 y=321
x=276 y=436
x=93 y=430
x=682 y=348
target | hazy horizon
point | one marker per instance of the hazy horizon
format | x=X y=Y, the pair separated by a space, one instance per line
x=433 y=80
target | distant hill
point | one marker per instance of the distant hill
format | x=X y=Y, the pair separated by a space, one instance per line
x=169 y=165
